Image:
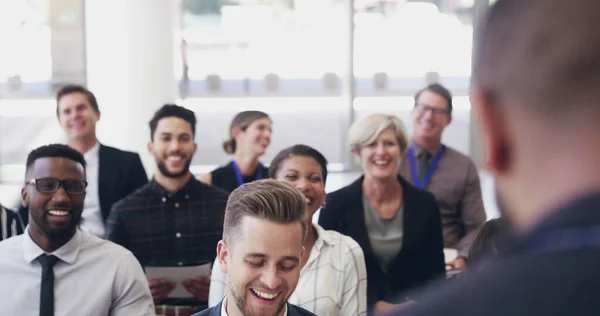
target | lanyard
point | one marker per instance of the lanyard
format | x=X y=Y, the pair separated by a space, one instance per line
x=413 y=167
x=238 y=172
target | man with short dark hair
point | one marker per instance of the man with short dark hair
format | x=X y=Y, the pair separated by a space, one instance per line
x=535 y=94
x=112 y=174
x=56 y=269
x=174 y=220
x=450 y=175
x=263 y=271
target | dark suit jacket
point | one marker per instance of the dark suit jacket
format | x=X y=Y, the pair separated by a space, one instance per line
x=551 y=270
x=292 y=311
x=119 y=174
x=421 y=258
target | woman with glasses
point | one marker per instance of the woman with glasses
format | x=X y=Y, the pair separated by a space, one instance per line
x=333 y=275
x=249 y=138
x=397 y=225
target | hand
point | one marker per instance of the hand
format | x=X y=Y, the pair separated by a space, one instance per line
x=160 y=289
x=383 y=308
x=458 y=263
x=198 y=287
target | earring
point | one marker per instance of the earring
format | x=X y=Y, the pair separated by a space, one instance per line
x=324 y=204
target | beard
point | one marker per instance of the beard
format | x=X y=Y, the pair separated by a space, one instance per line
x=39 y=218
x=164 y=171
x=241 y=303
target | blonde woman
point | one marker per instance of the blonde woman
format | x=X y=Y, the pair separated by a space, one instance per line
x=397 y=225
x=249 y=138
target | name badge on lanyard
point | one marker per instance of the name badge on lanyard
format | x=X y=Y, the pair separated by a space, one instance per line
x=240 y=178
x=422 y=184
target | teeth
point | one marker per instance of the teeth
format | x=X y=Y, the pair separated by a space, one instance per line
x=381 y=162
x=308 y=200
x=265 y=295
x=174 y=158
x=58 y=213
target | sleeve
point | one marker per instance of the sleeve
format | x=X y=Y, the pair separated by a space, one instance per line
x=435 y=265
x=131 y=293
x=472 y=211
x=218 y=285
x=115 y=228
x=137 y=174
x=328 y=218
x=354 y=297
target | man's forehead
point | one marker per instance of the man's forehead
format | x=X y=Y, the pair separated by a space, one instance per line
x=57 y=167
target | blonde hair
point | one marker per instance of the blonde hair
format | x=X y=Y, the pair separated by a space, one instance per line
x=268 y=199
x=364 y=131
x=241 y=120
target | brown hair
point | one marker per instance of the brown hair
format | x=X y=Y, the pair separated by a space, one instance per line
x=73 y=88
x=242 y=120
x=268 y=199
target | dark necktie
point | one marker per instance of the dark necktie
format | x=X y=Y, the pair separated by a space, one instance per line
x=424 y=157
x=47 y=289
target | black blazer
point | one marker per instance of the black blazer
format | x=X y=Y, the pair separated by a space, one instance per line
x=119 y=174
x=421 y=258
x=293 y=310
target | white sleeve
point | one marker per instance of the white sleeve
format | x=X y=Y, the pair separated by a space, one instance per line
x=218 y=285
x=131 y=293
x=354 y=297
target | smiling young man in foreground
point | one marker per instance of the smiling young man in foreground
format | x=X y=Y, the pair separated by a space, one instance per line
x=261 y=251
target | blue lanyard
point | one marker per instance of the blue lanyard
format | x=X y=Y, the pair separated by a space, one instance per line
x=238 y=173
x=413 y=167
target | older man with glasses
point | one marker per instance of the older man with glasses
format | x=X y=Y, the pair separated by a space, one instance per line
x=54 y=268
x=450 y=175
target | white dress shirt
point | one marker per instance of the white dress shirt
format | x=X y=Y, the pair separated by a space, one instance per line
x=333 y=282
x=91 y=219
x=92 y=277
x=224 y=308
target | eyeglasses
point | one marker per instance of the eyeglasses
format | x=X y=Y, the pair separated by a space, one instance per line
x=51 y=185
x=435 y=111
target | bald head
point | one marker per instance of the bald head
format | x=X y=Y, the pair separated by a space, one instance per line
x=541 y=56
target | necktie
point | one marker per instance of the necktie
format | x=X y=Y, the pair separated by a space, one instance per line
x=424 y=157
x=47 y=289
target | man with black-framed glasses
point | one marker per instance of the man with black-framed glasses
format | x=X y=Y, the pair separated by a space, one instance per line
x=55 y=268
x=450 y=175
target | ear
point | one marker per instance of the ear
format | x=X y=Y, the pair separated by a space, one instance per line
x=492 y=126
x=98 y=114
x=223 y=256
x=25 y=197
x=356 y=154
x=235 y=131
x=195 y=148
x=151 y=148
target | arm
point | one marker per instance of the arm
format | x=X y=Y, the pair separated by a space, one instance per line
x=328 y=218
x=472 y=211
x=115 y=228
x=206 y=178
x=354 y=296
x=131 y=295
x=218 y=285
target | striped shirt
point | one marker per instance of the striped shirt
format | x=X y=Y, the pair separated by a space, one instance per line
x=333 y=282
x=10 y=223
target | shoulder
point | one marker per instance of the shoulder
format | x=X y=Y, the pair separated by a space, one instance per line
x=211 y=191
x=209 y=311
x=110 y=250
x=142 y=194
x=294 y=310
x=11 y=246
x=222 y=169
x=353 y=189
x=457 y=157
x=118 y=153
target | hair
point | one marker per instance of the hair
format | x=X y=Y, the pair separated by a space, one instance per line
x=439 y=90
x=486 y=237
x=540 y=56
x=364 y=131
x=173 y=110
x=268 y=199
x=241 y=120
x=73 y=88
x=298 y=150
x=54 y=150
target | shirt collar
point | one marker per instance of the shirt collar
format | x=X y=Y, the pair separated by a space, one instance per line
x=92 y=152
x=162 y=192
x=417 y=150
x=323 y=237
x=67 y=253
x=224 y=307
